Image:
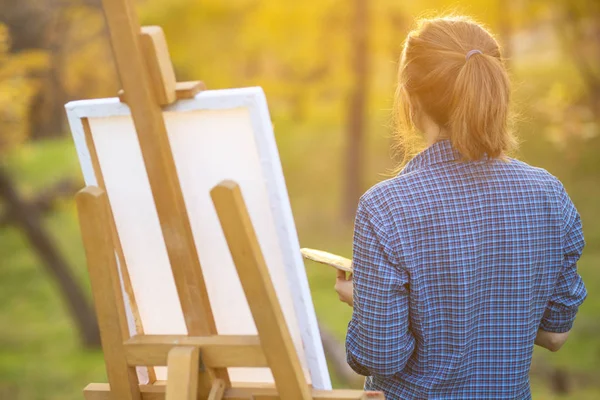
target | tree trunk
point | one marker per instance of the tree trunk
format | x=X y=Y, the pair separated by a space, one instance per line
x=27 y=218
x=356 y=118
x=560 y=382
x=45 y=199
x=399 y=24
x=575 y=37
x=505 y=29
x=336 y=355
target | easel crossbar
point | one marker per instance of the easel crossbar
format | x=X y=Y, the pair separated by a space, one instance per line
x=218 y=351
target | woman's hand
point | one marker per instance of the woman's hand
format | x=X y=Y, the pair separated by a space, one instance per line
x=343 y=287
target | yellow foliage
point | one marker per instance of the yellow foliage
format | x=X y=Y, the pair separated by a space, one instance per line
x=88 y=70
x=18 y=85
x=300 y=53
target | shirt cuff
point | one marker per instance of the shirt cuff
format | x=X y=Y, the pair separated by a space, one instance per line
x=558 y=321
x=350 y=348
x=355 y=365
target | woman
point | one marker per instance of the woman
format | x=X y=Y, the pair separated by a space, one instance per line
x=467 y=257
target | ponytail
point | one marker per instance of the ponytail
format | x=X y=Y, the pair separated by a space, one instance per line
x=479 y=116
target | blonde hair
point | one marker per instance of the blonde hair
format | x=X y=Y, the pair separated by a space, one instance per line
x=466 y=96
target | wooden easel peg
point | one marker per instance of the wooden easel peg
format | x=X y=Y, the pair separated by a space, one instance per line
x=155 y=51
x=183 y=90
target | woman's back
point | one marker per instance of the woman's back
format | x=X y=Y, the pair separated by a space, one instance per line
x=480 y=247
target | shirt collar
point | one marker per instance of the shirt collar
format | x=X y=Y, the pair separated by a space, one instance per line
x=439 y=152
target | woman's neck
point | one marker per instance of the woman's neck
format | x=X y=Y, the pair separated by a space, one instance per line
x=431 y=131
x=434 y=134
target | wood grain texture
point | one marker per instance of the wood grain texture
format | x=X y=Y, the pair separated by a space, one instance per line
x=189 y=89
x=183 y=90
x=323 y=257
x=217 y=351
x=94 y=216
x=260 y=293
x=154 y=143
x=218 y=390
x=158 y=61
x=101 y=391
x=182 y=380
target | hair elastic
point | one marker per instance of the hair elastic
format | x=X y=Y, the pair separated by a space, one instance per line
x=472 y=52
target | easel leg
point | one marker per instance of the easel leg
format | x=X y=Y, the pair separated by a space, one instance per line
x=94 y=217
x=247 y=256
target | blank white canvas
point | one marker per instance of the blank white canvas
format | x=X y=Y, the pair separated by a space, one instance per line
x=218 y=135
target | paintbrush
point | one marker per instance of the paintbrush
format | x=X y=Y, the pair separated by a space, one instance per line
x=323 y=257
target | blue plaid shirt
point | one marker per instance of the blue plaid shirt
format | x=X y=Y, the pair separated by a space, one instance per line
x=456 y=267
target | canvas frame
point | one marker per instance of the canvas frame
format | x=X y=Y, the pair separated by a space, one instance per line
x=254 y=100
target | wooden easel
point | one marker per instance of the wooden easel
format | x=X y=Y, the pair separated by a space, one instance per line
x=196 y=362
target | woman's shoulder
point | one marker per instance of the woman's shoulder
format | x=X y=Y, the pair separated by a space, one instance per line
x=379 y=192
x=385 y=197
x=401 y=187
x=412 y=187
x=534 y=174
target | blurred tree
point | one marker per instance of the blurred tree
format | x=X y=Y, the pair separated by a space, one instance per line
x=37 y=26
x=570 y=106
x=580 y=31
x=336 y=357
x=32 y=97
x=26 y=216
x=505 y=28
x=49 y=27
x=357 y=108
x=18 y=86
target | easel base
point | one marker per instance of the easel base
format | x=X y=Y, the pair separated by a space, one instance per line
x=156 y=391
